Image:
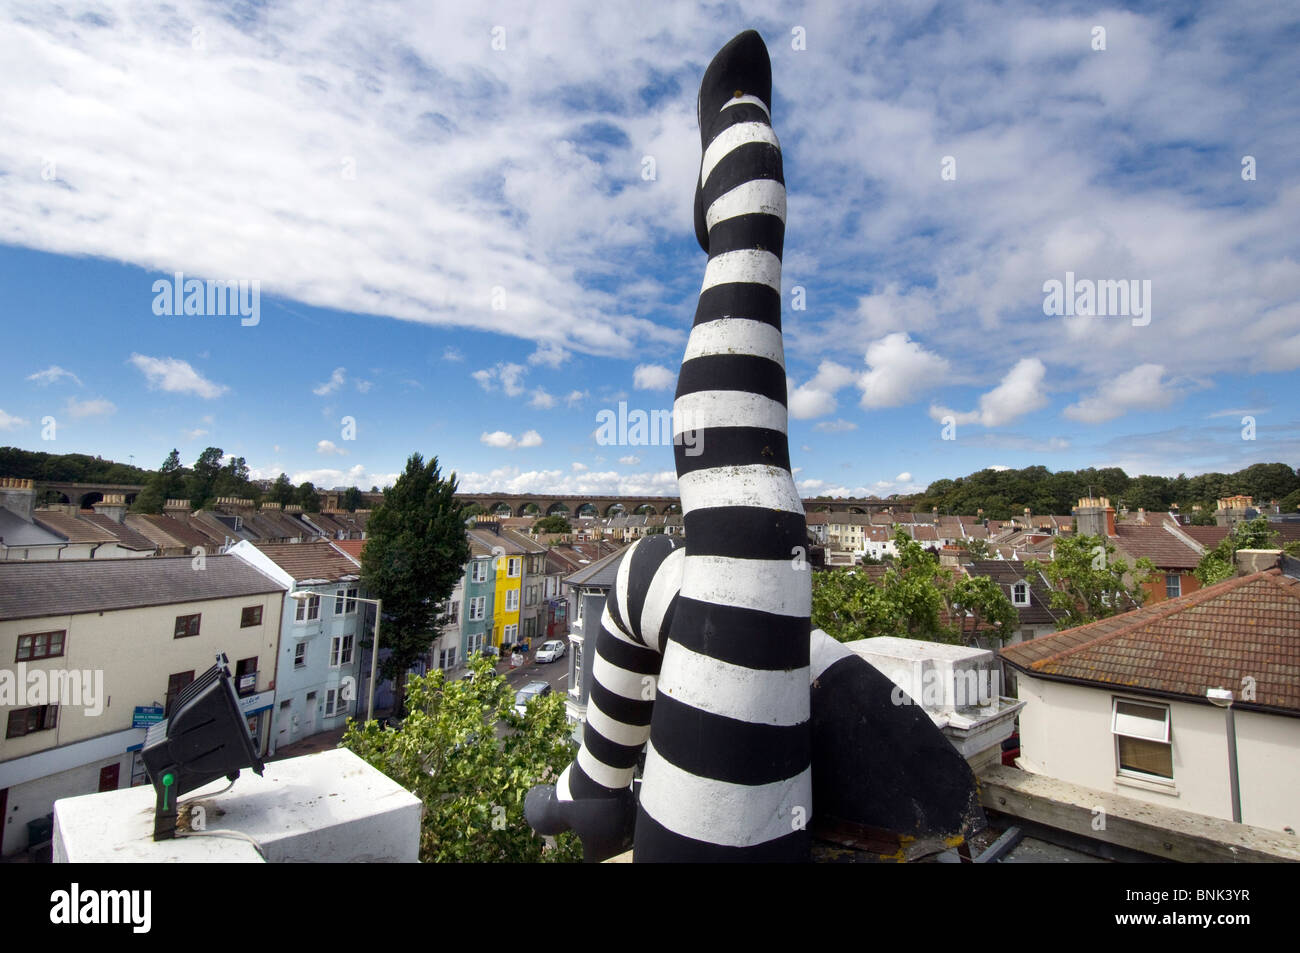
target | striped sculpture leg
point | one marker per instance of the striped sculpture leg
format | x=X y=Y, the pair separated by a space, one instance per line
x=727 y=771
x=594 y=794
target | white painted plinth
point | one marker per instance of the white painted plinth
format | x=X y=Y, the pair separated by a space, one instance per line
x=330 y=807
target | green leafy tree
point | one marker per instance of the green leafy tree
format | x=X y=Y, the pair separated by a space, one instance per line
x=1221 y=562
x=557 y=524
x=282 y=491
x=201 y=482
x=982 y=610
x=1290 y=503
x=471 y=777
x=308 y=497
x=1203 y=517
x=1089 y=583
x=352 y=499
x=165 y=484
x=473 y=509
x=976 y=548
x=415 y=550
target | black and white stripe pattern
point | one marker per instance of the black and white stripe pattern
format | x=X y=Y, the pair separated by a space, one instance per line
x=727 y=771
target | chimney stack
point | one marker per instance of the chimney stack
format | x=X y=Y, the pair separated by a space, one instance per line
x=176 y=507
x=113 y=505
x=1095 y=516
x=17 y=496
x=1257 y=560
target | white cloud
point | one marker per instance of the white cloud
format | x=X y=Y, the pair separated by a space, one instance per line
x=899 y=370
x=576 y=397
x=569 y=483
x=550 y=354
x=903 y=477
x=90 y=408
x=630 y=460
x=580 y=467
x=328 y=447
x=509 y=377
x=541 y=399
x=334 y=383
x=52 y=374
x=1141 y=388
x=10 y=422
x=653 y=377
x=1020 y=393
x=835 y=426
x=195 y=434
x=505 y=441
x=364 y=386
x=816 y=398
x=176 y=376
x=329 y=478
x=451 y=353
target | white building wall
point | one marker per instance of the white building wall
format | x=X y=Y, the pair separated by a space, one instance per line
x=1065 y=732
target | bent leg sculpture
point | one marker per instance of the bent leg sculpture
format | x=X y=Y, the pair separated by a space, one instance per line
x=752 y=713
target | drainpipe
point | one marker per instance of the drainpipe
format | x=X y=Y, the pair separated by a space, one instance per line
x=1222 y=697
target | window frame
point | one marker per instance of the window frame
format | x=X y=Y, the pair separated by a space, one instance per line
x=479 y=572
x=342 y=650
x=1017 y=599
x=300 y=655
x=31 y=638
x=307 y=610
x=194 y=619
x=243 y=616
x=1177 y=583
x=514 y=566
x=479 y=603
x=512 y=604
x=1130 y=729
x=46 y=718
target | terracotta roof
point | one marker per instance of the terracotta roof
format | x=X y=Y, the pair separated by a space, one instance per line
x=1207 y=536
x=1157 y=544
x=1211 y=638
x=67 y=587
x=305 y=561
x=166 y=531
x=922 y=532
x=352 y=547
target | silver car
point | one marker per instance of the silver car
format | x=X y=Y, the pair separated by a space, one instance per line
x=528 y=693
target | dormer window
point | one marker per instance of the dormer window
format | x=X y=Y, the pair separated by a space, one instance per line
x=1020 y=594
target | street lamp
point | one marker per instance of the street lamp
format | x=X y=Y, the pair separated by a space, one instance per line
x=299 y=595
x=1222 y=697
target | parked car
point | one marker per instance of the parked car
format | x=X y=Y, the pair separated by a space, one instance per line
x=528 y=693
x=550 y=651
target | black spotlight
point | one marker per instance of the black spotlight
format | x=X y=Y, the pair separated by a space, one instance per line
x=204 y=738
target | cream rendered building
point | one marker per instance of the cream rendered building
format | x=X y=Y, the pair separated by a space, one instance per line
x=84 y=643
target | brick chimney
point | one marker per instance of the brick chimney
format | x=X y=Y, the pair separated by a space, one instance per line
x=17 y=496
x=275 y=507
x=1257 y=560
x=113 y=505
x=176 y=508
x=1095 y=516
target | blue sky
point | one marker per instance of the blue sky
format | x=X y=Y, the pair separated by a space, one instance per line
x=471 y=232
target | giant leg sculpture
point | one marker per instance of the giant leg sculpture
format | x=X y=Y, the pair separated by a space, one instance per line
x=741 y=727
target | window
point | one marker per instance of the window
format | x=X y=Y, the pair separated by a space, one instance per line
x=513 y=565
x=40 y=645
x=476 y=608
x=1020 y=594
x=512 y=600
x=480 y=570
x=452 y=612
x=334 y=702
x=340 y=651
x=250 y=616
x=345 y=601
x=24 y=721
x=510 y=634
x=246 y=675
x=1173 y=586
x=447 y=658
x=530 y=627
x=187 y=625
x=175 y=684
x=1142 y=739
x=308 y=609
x=532 y=596
x=474 y=644
x=300 y=655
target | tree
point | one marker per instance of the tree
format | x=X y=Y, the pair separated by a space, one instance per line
x=308 y=497
x=1290 y=503
x=352 y=499
x=1221 y=562
x=202 y=481
x=166 y=484
x=474 y=509
x=976 y=548
x=415 y=552
x=282 y=491
x=1089 y=583
x=978 y=603
x=557 y=524
x=448 y=754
